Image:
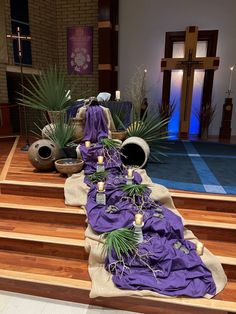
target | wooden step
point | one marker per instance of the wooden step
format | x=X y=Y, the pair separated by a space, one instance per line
x=27 y=188
x=204 y=201
x=69 y=280
x=214 y=217
x=40 y=213
x=42 y=238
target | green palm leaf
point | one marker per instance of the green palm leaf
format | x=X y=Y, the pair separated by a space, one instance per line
x=124 y=241
x=48 y=91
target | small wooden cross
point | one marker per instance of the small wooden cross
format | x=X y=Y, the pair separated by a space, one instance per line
x=188 y=64
x=19 y=38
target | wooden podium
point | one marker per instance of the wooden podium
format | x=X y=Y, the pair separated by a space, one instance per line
x=225 y=130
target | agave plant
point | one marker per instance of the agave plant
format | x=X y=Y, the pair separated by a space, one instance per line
x=60 y=132
x=49 y=91
x=152 y=128
x=149 y=127
x=118 y=114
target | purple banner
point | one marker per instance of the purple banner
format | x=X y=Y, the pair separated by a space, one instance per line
x=80 y=50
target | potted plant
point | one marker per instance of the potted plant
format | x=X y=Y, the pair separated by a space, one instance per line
x=48 y=92
x=61 y=133
x=118 y=115
x=150 y=129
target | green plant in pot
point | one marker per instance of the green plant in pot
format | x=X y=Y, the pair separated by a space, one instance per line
x=152 y=129
x=61 y=132
x=48 y=92
x=118 y=114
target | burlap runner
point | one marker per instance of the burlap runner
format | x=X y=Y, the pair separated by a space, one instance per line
x=102 y=284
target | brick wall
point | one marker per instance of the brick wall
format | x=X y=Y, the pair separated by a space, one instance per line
x=48 y=21
x=78 y=13
x=42 y=20
x=3 y=84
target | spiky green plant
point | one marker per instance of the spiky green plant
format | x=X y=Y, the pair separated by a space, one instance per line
x=118 y=114
x=149 y=127
x=124 y=241
x=110 y=143
x=98 y=176
x=59 y=132
x=48 y=91
x=134 y=189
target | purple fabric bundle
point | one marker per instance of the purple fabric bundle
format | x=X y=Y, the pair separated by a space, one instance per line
x=165 y=263
x=95 y=125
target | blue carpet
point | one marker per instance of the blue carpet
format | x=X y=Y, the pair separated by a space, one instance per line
x=197 y=166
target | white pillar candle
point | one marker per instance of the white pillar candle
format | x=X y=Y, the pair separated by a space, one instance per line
x=130 y=173
x=100 y=186
x=117 y=95
x=230 y=78
x=100 y=160
x=87 y=144
x=138 y=219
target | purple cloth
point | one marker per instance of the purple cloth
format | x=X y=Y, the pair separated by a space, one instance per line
x=159 y=265
x=95 y=125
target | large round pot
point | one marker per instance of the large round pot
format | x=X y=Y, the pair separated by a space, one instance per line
x=135 y=152
x=43 y=153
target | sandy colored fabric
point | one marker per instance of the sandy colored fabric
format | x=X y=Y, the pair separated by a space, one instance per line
x=75 y=190
x=102 y=284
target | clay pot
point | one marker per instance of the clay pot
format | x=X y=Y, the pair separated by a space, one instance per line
x=43 y=153
x=135 y=152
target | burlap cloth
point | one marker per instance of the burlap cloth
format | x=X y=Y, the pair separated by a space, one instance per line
x=102 y=285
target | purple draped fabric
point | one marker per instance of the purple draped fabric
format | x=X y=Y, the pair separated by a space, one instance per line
x=95 y=125
x=159 y=265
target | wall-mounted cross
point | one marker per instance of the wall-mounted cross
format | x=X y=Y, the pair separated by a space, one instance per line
x=188 y=64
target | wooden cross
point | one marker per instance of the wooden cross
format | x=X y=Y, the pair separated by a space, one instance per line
x=188 y=64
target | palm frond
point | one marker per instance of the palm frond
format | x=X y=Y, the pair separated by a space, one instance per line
x=59 y=132
x=123 y=241
x=98 y=176
x=47 y=91
x=134 y=189
x=110 y=143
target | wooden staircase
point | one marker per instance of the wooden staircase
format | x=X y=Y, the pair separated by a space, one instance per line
x=42 y=243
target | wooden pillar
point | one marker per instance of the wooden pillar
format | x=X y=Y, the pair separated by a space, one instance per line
x=108 y=45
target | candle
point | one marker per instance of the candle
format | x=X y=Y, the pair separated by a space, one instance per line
x=130 y=173
x=100 y=160
x=138 y=219
x=87 y=144
x=100 y=186
x=230 y=78
x=199 y=248
x=117 y=95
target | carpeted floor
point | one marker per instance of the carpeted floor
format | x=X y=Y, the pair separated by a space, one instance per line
x=197 y=166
